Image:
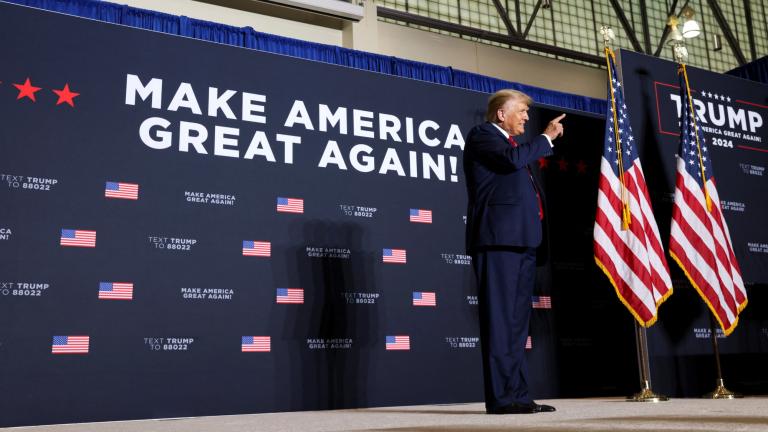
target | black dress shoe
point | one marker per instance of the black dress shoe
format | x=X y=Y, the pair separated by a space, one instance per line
x=515 y=408
x=542 y=408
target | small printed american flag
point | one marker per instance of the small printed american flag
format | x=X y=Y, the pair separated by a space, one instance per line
x=256 y=344
x=79 y=238
x=421 y=216
x=257 y=248
x=121 y=190
x=398 y=343
x=528 y=343
x=393 y=256
x=70 y=344
x=116 y=290
x=290 y=205
x=290 y=296
x=421 y=298
x=542 y=302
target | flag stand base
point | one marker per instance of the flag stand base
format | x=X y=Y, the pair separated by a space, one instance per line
x=647 y=395
x=721 y=392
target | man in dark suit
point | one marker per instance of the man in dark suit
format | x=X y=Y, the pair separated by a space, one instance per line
x=504 y=220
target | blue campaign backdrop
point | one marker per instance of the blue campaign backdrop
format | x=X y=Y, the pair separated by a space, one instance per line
x=216 y=178
x=169 y=163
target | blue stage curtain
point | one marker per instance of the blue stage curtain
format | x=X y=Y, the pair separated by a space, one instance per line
x=249 y=38
x=367 y=61
x=423 y=71
x=102 y=11
x=142 y=18
x=209 y=31
x=755 y=71
x=292 y=47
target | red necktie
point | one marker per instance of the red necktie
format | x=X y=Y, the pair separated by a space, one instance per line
x=538 y=198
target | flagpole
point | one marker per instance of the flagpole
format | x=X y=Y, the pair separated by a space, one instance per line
x=720 y=391
x=641 y=340
x=646 y=394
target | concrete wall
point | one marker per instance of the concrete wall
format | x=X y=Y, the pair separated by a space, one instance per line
x=319 y=33
x=376 y=36
x=490 y=60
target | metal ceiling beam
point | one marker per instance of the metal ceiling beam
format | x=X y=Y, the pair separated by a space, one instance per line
x=517 y=36
x=486 y=35
x=750 y=30
x=533 y=17
x=723 y=23
x=505 y=17
x=627 y=26
x=646 y=32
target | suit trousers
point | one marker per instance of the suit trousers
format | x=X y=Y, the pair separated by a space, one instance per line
x=505 y=280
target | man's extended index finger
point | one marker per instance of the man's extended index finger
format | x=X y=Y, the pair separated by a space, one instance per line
x=558 y=118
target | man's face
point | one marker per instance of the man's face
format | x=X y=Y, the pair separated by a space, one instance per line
x=513 y=115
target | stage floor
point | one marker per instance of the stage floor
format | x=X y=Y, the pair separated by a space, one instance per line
x=600 y=414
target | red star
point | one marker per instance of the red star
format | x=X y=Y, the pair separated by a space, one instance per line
x=27 y=90
x=543 y=163
x=563 y=164
x=66 y=95
x=581 y=167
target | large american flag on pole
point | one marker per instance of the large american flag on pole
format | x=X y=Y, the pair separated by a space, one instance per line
x=627 y=243
x=699 y=240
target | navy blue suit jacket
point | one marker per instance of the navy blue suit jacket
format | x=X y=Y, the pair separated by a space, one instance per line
x=503 y=209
